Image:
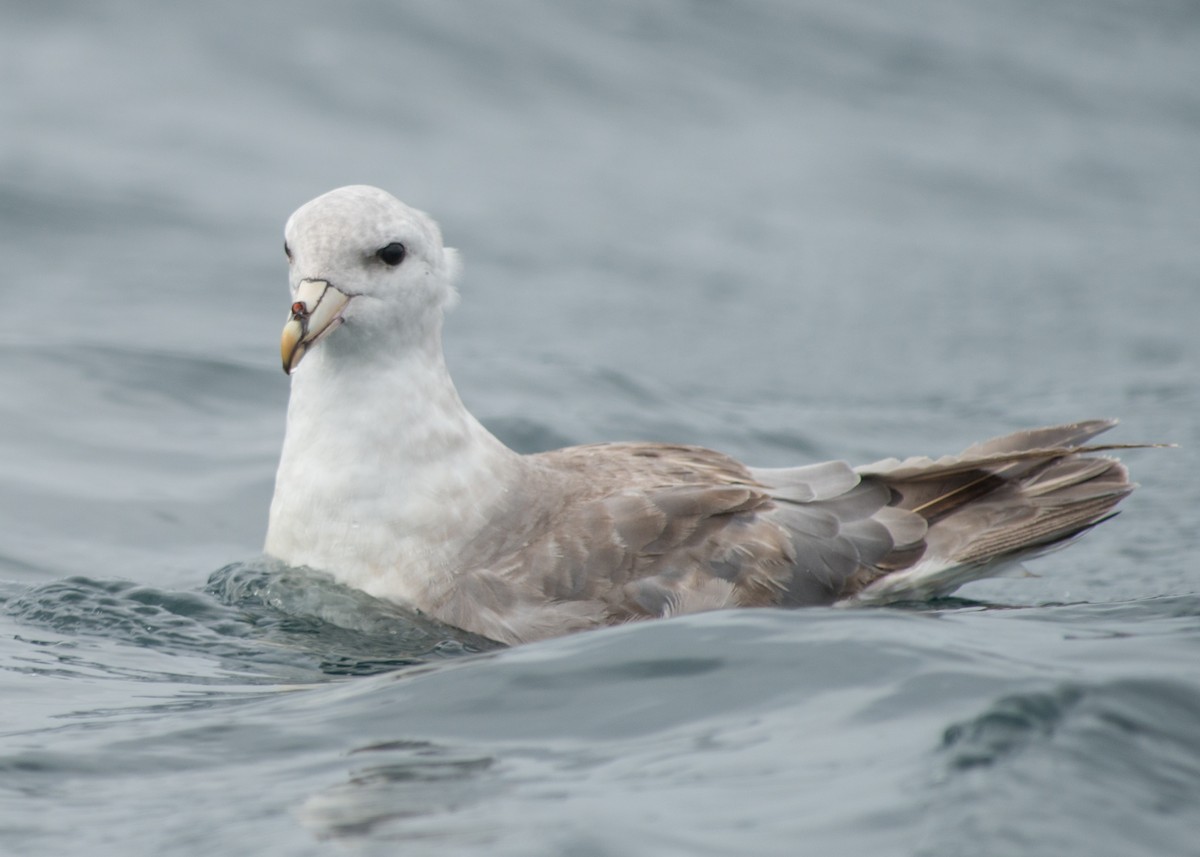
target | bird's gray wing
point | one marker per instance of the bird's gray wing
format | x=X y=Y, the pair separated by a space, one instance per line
x=617 y=532
x=997 y=501
x=632 y=531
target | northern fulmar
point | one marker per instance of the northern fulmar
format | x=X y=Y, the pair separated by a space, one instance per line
x=388 y=483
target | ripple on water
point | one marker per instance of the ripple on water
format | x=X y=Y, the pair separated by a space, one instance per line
x=1018 y=771
x=253 y=617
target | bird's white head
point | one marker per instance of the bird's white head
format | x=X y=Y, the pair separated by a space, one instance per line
x=360 y=257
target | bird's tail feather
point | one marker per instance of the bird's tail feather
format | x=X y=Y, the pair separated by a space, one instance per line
x=996 y=503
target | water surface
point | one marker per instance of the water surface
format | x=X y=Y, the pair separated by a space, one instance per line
x=790 y=231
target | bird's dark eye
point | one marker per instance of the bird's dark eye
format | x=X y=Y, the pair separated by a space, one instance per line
x=393 y=254
x=287 y=251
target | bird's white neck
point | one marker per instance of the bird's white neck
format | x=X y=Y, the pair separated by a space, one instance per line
x=384 y=473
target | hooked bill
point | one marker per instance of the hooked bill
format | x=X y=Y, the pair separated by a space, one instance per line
x=316 y=312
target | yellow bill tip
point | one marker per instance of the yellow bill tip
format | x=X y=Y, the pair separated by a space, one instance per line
x=291 y=345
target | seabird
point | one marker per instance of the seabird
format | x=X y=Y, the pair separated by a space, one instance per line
x=388 y=483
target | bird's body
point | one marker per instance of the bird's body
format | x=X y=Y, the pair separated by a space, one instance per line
x=387 y=481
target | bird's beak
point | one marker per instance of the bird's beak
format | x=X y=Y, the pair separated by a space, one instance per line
x=317 y=311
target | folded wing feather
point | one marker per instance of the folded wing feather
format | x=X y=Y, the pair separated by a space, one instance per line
x=619 y=532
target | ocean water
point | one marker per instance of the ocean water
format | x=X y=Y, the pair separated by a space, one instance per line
x=792 y=231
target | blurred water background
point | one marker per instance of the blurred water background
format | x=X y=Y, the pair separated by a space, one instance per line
x=788 y=230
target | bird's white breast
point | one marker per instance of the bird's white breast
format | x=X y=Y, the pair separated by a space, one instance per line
x=384 y=478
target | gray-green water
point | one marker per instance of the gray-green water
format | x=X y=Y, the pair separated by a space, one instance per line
x=791 y=231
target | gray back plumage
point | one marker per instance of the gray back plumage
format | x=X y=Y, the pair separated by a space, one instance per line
x=617 y=532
